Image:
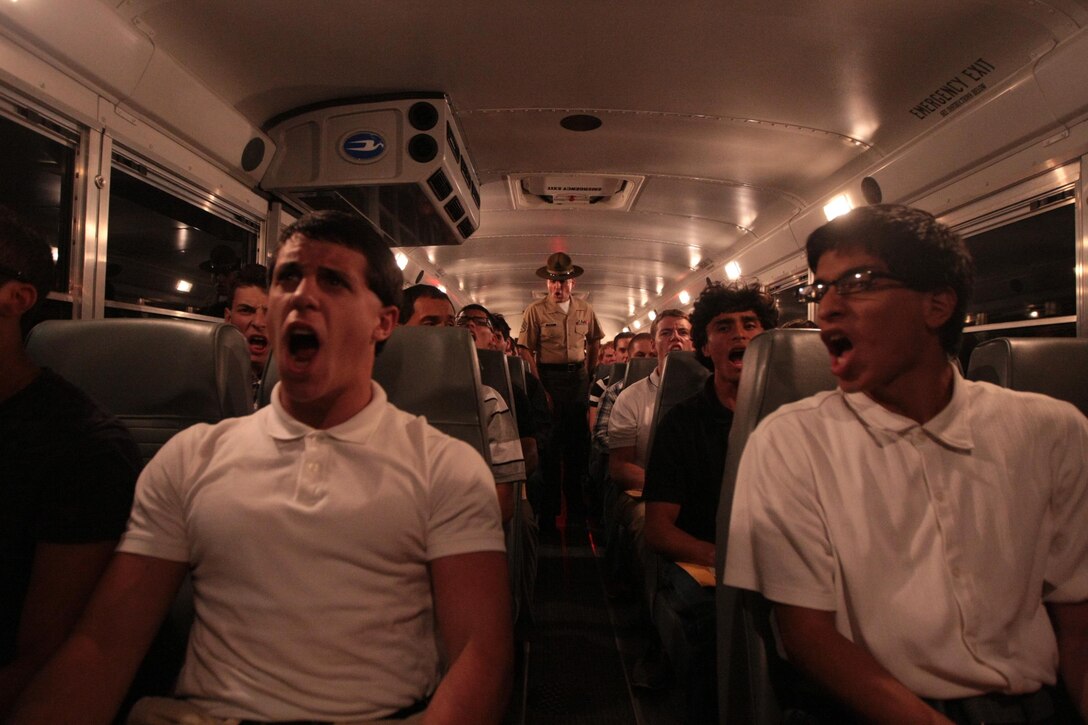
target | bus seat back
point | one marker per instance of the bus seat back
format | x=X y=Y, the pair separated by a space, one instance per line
x=682 y=378
x=433 y=372
x=1054 y=366
x=780 y=366
x=157 y=376
x=637 y=369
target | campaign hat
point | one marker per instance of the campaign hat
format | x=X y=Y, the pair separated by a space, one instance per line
x=559 y=266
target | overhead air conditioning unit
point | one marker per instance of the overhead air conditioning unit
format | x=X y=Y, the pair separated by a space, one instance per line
x=398 y=162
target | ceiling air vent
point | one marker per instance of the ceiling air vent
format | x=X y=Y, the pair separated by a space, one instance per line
x=398 y=162
x=584 y=191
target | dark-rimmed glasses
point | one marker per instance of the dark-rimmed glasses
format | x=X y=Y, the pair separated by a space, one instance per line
x=851 y=283
x=464 y=320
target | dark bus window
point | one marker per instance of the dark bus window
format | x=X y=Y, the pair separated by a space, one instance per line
x=790 y=309
x=157 y=245
x=36 y=184
x=1025 y=270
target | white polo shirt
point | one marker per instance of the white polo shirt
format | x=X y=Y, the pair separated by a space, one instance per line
x=633 y=416
x=309 y=552
x=935 y=545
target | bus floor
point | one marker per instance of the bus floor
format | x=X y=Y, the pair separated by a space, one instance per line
x=584 y=645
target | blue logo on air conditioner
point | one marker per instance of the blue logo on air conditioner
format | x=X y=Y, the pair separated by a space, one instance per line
x=364 y=146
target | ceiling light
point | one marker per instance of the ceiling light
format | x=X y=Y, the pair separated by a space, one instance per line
x=184 y=285
x=626 y=329
x=732 y=270
x=684 y=297
x=653 y=315
x=838 y=206
x=55 y=252
x=637 y=325
x=442 y=288
x=402 y=260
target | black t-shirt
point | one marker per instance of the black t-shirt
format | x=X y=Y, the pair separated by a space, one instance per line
x=70 y=471
x=688 y=459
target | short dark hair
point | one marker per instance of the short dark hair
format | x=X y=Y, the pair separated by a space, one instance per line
x=917 y=249
x=24 y=254
x=383 y=276
x=474 y=306
x=717 y=298
x=642 y=336
x=501 y=325
x=251 y=275
x=622 y=336
x=679 y=314
x=415 y=292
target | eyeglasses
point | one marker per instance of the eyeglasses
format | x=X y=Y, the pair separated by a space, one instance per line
x=851 y=283
x=466 y=320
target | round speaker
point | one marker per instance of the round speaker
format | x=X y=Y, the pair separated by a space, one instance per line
x=870 y=189
x=580 y=122
x=253 y=154
x=423 y=116
x=422 y=148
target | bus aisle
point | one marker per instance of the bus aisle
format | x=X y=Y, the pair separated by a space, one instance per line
x=584 y=644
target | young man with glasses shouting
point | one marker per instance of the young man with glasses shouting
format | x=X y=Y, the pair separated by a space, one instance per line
x=921 y=536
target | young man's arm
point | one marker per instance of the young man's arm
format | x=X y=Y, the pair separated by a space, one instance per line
x=88 y=677
x=472 y=609
x=623 y=469
x=61 y=581
x=846 y=670
x=672 y=542
x=1071 y=627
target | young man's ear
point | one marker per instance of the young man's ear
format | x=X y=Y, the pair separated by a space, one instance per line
x=939 y=307
x=387 y=320
x=17 y=298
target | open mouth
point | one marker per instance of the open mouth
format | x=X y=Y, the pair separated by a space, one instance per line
x=736 y=356
x=838 y=344
x=302 y=344
x=840 y=347
x=257 y=343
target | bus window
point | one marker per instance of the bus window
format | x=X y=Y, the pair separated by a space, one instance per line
x=37 y=160
x=1025 y=281
x=164 y=250
x=785 y=293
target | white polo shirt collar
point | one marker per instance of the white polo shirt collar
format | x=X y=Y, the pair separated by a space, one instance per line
x=949 y=427
x=357 y=429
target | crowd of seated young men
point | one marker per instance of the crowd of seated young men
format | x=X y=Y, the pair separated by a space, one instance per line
x=870 y=516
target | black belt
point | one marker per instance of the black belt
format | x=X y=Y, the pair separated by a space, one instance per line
x=1032 y=707
x=565 y=367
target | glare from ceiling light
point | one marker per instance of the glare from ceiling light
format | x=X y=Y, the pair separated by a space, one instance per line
x=684 y=297
x=652 y=315
x=626 y=329
x=637 y=325
x=184 y=285
x=442 y=288
x=732 y=270
x=402 y=260
x=838 y=206
x=55 y=252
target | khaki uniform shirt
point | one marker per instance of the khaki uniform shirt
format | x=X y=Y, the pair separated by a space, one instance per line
x=556 y=337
